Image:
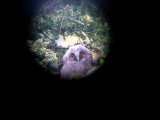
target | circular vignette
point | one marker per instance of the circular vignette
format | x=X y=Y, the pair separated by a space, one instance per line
x=58 y=25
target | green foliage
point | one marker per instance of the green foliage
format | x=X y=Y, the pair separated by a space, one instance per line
x=101 y=61
x=76 y=77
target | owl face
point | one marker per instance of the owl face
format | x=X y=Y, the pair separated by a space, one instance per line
x=79 y=58
x=77 y=53
x=77 y=61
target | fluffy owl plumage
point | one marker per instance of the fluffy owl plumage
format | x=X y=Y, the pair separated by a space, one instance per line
x=77 y=62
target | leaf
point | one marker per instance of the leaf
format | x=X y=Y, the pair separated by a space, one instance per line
x=101 y=61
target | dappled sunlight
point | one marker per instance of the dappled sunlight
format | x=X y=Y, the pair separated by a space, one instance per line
x=69 y=41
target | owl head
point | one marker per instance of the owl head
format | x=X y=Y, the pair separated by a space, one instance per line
x=76 y=61
x=77 y=53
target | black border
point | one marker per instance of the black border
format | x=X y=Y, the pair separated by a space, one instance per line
x=29 y=73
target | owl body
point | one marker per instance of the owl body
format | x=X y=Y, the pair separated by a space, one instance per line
x=77 y=62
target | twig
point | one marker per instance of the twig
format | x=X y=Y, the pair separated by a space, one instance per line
x=76 y=21
x=61 y=25
x=60 y=48
x=64 y=12
x=41 y=33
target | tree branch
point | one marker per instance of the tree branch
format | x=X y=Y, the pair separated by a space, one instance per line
x=38 y=30
x=64 y=12
x=76 y=21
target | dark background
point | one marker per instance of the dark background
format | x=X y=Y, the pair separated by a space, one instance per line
x=120 y=83
x=23 y=71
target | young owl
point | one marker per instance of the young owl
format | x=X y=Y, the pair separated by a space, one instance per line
x=77 y=61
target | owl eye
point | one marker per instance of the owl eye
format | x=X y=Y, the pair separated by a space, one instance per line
x=81 y=55
x=73 y=57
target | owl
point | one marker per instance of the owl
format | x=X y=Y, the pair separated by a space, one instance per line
x=77 y=61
